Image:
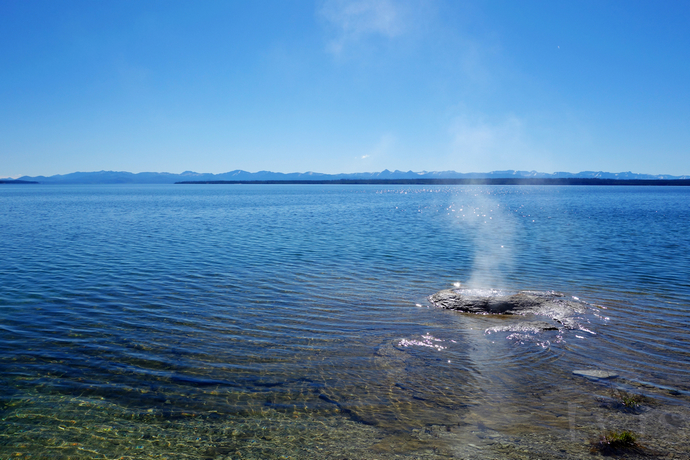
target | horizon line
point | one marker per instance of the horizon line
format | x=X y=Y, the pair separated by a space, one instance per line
x=422 y=172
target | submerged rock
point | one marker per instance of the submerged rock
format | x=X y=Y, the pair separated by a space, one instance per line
x=595 y=374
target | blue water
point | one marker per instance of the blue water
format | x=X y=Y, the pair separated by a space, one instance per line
x=283 y=308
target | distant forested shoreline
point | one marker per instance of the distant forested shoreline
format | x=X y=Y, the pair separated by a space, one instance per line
x=473 y=181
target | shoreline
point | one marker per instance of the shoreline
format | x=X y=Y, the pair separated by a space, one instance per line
x=478 y=181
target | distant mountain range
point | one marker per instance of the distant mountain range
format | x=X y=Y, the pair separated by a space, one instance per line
x=121 y=177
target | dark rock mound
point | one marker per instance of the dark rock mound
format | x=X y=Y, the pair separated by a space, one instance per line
x=479 y=301
x=551 y=304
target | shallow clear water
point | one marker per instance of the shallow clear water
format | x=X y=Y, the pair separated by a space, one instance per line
x=267 y=321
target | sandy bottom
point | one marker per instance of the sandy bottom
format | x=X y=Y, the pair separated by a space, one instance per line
x=58 y=426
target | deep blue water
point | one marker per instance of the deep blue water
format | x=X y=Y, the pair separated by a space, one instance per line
x=233 y=300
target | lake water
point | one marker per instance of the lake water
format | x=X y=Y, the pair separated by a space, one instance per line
x=292 y=321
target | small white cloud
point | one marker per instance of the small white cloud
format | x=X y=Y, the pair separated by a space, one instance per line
x=377 y=154
x=353 y=20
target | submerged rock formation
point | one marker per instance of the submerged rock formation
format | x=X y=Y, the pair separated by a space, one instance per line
x=595 y=374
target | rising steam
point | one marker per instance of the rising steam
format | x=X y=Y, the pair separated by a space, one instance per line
x=492 y=228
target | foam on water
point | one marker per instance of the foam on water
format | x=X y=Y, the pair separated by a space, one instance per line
x=479 y=292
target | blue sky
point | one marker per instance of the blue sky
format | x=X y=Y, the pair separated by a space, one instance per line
x=344 y=86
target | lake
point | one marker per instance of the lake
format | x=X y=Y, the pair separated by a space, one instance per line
x=293 y=321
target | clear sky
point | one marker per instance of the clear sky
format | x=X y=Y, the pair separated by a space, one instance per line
x=344 y=86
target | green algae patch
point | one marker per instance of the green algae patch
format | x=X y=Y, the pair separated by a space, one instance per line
x=616 y=443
